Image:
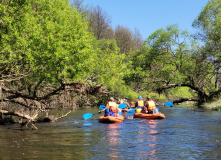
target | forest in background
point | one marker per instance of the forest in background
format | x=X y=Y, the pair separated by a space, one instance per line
x=62 y=54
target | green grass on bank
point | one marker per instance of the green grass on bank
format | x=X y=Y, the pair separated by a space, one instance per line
x=215 y=105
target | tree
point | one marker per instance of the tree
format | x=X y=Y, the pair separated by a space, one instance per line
x=109 y=67
x=168 y=60
x=44 y=46
x=127 y=41
x=124 y=38
x=209 y=24
x=79 y=5
x=137 y=39
x=99 y=22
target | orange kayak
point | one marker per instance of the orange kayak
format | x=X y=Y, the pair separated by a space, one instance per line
x=110 y=119
x=149 y=116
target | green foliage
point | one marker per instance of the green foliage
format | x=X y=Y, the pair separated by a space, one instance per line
x=209 y=19
x=181 y=92
x=159 y=59
x=45 y=40
x=46 y=43
x=209 y=24
x=213 y=105
x=123 y=91
x=109 y=65
x=154 y=96
x=170 y=56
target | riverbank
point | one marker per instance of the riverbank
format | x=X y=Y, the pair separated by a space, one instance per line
x=215 y=105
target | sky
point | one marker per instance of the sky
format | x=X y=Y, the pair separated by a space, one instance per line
x=149 y=15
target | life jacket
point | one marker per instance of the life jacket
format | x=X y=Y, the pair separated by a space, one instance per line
x=108 y=113
x=112 y=107
x=121 y=101
x=151 y=105
x=140 y=103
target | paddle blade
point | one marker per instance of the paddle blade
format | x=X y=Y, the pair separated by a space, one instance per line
x=102 y=107
x=168 y=104
x=122 y=106
x=132 y=109
x=131 y=112
x=87 y=115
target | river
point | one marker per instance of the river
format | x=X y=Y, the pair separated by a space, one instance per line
x=184 y=134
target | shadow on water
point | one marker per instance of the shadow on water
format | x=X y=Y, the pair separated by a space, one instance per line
x=184 y=134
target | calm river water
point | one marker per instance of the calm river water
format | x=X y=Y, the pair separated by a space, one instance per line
x=183 y=135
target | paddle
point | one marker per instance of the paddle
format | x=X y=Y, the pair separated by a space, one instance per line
x=122 y=106
x=131 y=112
x=132 y=109
x=169 y=104
x=102 y=107
x=88 y=115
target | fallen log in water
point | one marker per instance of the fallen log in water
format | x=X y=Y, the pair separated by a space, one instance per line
x=30 y=120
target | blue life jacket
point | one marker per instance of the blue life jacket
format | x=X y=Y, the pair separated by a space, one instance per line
x=108 y=113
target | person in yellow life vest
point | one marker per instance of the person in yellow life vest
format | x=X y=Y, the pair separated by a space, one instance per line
x=140 y=102
x=111 y=108
x=150 y=106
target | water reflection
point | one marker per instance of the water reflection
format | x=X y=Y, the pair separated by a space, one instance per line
x=148 y=136
x=152 y=137
x=113 y=139
x=87 y=130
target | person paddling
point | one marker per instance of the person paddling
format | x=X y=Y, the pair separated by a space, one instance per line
x=120 y=101
x=111 y=108
x=150 y=106
x=140 y=102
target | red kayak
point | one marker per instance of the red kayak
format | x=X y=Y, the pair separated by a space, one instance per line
x=149 y=116
x=111 y=119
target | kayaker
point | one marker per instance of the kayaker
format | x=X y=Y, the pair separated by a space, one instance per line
x=126 y=103
x=120 y=101
x=140 y=102
x=111 y=108
x=150 y=106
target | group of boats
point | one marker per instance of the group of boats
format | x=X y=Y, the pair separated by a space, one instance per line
x=120 y=118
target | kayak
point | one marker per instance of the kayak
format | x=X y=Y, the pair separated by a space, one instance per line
x=111 y=119
x=149 y=116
